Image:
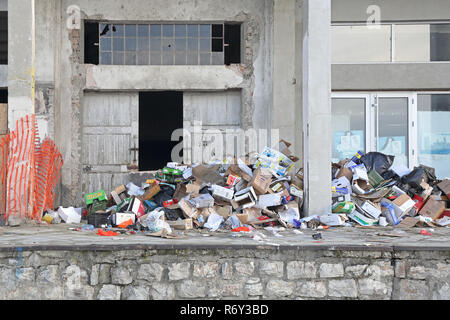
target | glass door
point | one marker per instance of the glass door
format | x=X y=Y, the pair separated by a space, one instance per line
x=350 y=123
x=393 y=124
x=383 y=122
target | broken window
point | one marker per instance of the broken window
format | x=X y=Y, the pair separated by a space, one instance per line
x=3 y=37
x=91 y=42
x=3 y=95
x=165 y=44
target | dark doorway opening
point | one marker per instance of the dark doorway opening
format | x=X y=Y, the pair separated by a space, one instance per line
x=160 y=113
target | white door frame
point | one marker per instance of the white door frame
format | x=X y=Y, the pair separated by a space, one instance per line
x=360 y=95
x=371 y=113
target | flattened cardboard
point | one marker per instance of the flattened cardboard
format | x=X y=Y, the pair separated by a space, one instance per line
x=445 y=187
x=224 y=211
x=193 y=188
x=235 y=170
x=408 y=222
x=207 y=174
x=185 y=224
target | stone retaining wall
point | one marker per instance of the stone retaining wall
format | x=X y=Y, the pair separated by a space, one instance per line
x=224 y=274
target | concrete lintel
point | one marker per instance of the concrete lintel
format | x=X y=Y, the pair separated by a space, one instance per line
x=317 y=105
x=163 y=77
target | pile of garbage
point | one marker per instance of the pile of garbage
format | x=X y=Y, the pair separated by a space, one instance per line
x=370 y=189
x=262 y=191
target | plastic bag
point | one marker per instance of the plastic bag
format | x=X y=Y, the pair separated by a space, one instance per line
x=377 y=161
x=155 y=223
x=214 y=222
x=134 y=190
x=414 y=179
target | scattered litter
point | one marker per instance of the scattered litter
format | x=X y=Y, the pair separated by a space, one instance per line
x=317 y=236
x=240 y=196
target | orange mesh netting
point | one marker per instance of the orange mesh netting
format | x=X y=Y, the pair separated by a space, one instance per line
x=29 y=171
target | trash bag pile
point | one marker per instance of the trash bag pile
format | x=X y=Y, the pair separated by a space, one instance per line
x=264 y=191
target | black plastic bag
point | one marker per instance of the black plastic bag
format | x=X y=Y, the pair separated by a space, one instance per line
x=430 y=173
x=165 y=194
x=173 y=214
x=377 y=161
x=415 y=178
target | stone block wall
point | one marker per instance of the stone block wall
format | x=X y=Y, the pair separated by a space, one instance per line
x=224 y=274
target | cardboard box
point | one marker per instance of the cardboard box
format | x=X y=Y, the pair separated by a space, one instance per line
x=261 y=180
x=222 y=193
x=269 y=200
x=120 y=189
x=245 y=198
x=402 y=205
x=295 y=191
x=204 y=200
x=433 y=208
x=188 y=209
x=233 y=180
x=185 y=224
x=368 y=208
x=152 y=190
x=137 y=207
x=116 y=197
x=120 y=217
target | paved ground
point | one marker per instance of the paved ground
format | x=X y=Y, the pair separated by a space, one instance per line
x=59 y=237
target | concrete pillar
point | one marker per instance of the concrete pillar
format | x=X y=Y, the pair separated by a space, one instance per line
x=284 y=60
x=317 y=106
x=21 y=53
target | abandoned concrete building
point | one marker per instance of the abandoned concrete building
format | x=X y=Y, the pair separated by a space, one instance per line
x=110 y=81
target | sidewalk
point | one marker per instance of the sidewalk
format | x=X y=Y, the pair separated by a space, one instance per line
x=59 y=237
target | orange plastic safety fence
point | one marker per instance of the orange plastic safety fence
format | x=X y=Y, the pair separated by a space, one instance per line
x=29 y=171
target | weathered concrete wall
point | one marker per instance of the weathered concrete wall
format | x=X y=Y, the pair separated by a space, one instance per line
x=398 y=10
x=72 y=76
x=222 y=274
x=391 y=76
